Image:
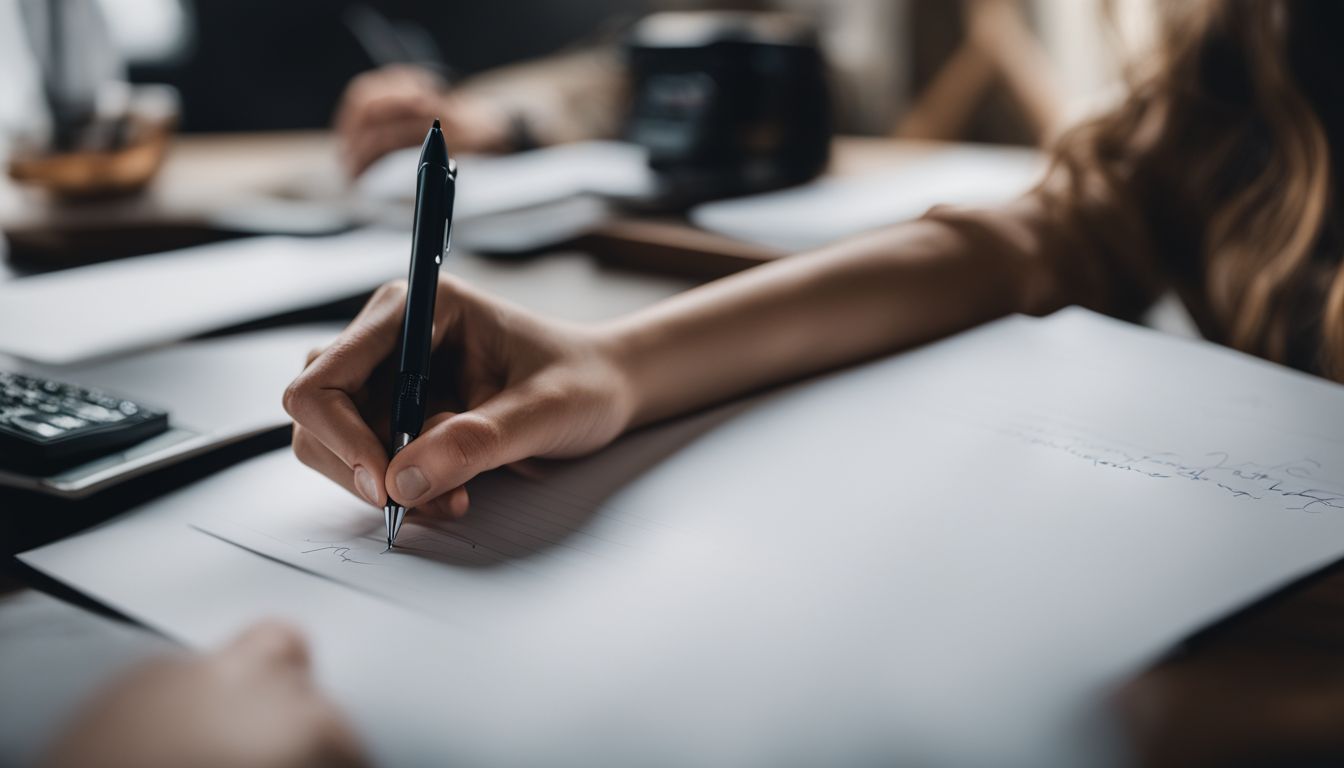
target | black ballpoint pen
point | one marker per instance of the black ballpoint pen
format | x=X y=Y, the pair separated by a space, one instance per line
x=436 y=186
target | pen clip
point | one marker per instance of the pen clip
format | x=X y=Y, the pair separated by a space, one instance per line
x=450 y=197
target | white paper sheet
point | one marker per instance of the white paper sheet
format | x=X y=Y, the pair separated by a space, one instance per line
x=106 y=309
x=489 y=184
x=943 y=558
x=832 y=208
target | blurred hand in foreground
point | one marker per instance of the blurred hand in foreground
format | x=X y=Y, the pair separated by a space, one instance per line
x=252 y=703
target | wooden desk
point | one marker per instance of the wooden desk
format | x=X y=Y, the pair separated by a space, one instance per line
x=1266 y=688
x=202 y=177
x=205 y=177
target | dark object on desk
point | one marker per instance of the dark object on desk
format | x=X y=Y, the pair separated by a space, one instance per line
x=46 y=425
x=728 y=103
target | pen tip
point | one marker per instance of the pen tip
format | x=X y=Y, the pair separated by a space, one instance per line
x=436 y=125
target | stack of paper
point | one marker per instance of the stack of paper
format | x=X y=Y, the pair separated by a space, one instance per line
x=833 y=208
x=107 y=309
x=944 y=558
x=519 y=202
x=490 y=184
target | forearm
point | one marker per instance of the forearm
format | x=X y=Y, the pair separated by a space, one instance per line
x=850 y=302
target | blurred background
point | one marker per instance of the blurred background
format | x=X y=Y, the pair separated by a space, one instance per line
x=134 y=126
x=917 y=67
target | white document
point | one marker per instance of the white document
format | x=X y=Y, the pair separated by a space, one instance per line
x=948 y=557
x=829 y=209
x=107 y=309
x=491 y=184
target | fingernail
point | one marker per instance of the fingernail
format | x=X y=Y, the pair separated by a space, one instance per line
x=367 y=486
x=411 y=483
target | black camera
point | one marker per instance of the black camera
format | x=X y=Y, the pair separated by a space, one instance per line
x=728 y=103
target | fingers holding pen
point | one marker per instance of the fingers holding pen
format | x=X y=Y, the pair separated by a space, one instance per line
x=364 y=482
x=321 y=400
x=506 y=428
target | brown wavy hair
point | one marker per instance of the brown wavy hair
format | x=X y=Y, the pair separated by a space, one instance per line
x=1221 y=157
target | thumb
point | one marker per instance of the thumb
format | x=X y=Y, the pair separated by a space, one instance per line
x=508 y=427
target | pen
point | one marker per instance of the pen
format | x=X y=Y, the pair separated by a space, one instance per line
x=436 y=185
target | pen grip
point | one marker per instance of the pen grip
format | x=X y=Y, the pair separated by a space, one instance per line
x=408 y=407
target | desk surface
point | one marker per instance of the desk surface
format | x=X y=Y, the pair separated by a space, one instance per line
x=1265 y=684
x=207 y=175
x=201 y=174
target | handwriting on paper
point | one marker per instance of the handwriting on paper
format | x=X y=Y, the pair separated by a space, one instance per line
x=1296 y=484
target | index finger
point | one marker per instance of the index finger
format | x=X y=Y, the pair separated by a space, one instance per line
x=321 y=398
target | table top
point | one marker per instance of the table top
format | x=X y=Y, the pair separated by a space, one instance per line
x=205 y=177
x=1265 y=686
x=202 y=173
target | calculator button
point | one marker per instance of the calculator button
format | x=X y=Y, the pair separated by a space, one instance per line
x=38 y=428
x=97 y=413
x=66 y=422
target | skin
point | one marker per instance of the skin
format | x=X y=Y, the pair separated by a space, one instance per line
x=514 y=386
x=252 y=703
x=390 y=108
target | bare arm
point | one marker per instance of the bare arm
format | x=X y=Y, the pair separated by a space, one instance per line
x=524 y=386
x=855 y=300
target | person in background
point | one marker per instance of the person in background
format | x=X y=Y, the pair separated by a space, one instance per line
x=581 y=93
x=252 y=704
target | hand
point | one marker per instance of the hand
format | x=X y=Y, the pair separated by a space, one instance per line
x=390 y=108
x=504 y=386
x=250 y=704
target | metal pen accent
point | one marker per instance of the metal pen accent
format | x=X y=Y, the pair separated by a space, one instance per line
x=436 y=185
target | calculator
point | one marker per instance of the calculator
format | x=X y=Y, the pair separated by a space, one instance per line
x=48 y=425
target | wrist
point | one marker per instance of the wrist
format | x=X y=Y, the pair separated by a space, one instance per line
x=618 y=345
x=630 y=348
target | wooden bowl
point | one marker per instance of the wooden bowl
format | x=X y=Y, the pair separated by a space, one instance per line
x=86 y=174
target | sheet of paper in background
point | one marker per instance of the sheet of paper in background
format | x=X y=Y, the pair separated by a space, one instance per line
x=531 y=229
x=489 y=184
x=120 y=306
x=947 y=557
x=520 y=202
x=830 y=209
